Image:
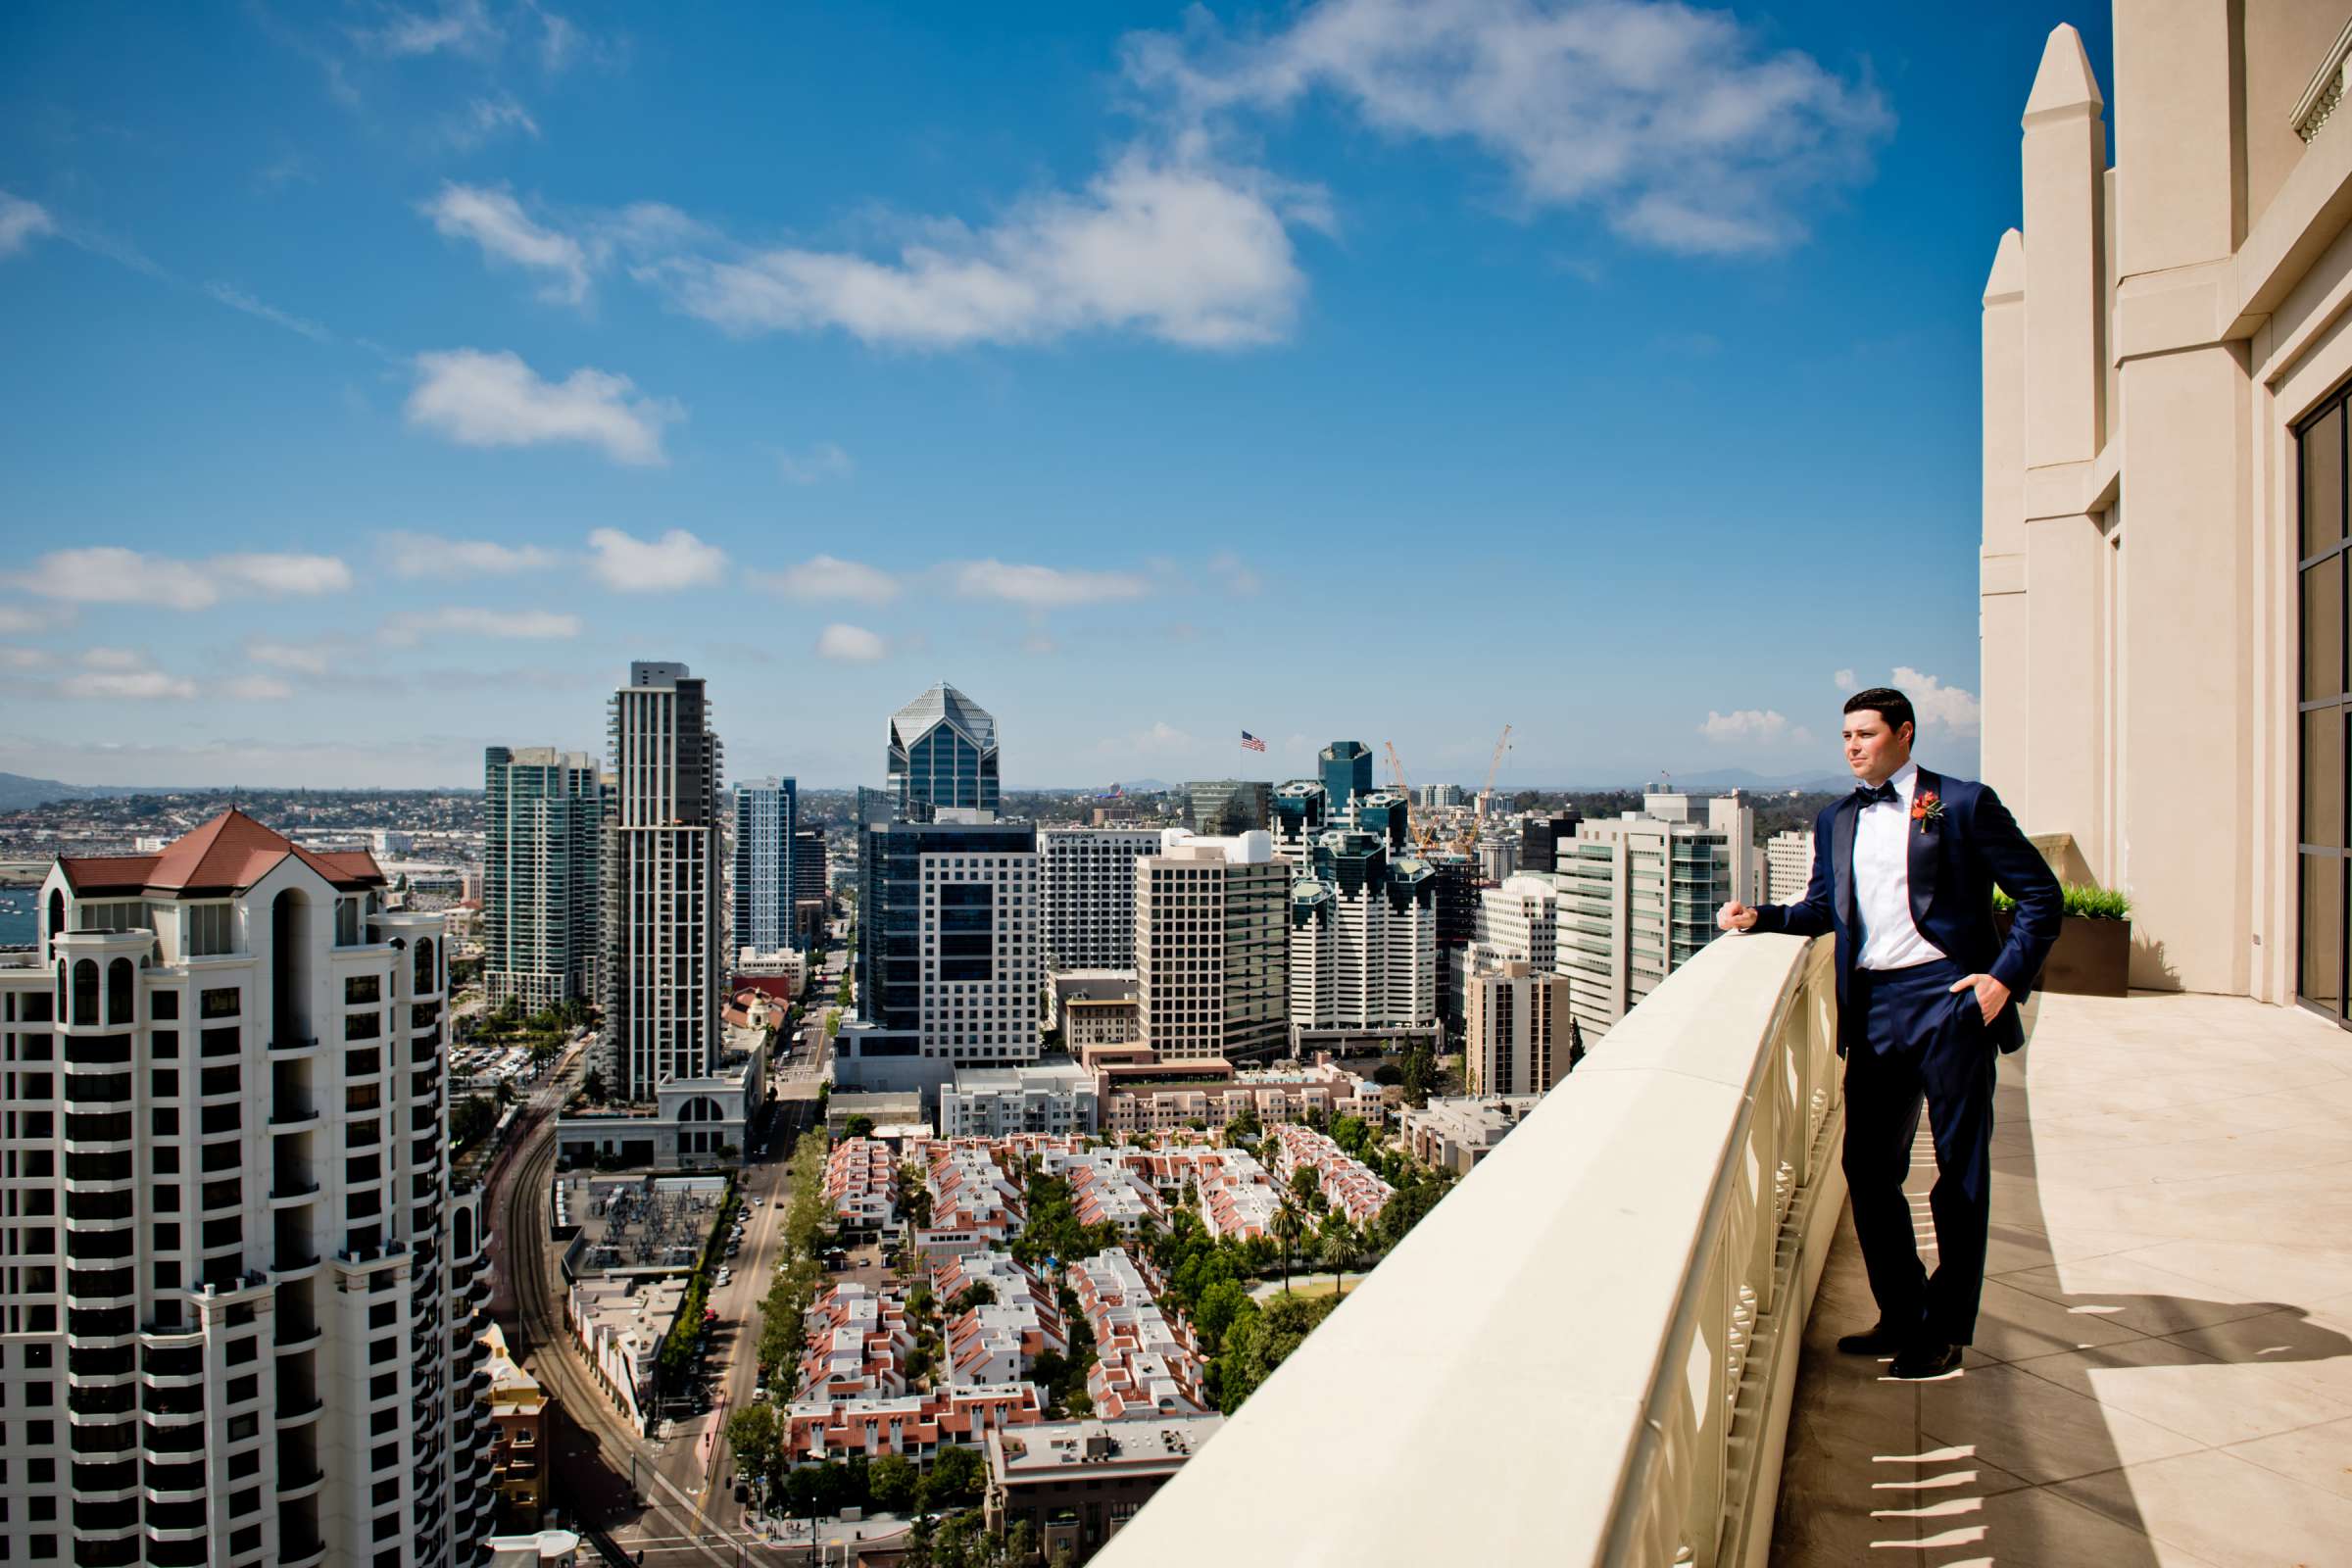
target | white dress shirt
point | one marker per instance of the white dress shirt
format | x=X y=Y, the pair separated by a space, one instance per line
x=1883 y=880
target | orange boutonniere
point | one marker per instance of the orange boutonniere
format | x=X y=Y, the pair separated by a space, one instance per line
x=1928 y=809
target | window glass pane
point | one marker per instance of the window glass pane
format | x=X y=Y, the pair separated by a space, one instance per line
x=2323 y=448
x=2323 y=931
x=2324 y=628
x=2323 y=776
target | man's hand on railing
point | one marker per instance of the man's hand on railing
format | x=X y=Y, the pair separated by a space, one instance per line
x=1736 y=916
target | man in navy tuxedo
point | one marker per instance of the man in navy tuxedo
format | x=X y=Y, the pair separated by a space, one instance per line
x=1903 y=872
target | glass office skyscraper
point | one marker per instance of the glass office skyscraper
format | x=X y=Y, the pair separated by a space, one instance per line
x=1347 y=769
x=943 y=753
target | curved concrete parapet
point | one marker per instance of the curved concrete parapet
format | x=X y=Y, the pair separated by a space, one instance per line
x=1586 y=1353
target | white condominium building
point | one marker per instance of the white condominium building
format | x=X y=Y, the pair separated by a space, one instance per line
x=542 y=838
x=1089 y=879
x=1517 y=1035
x=241 y=1296
x=1000 y=1102
x=1788 y=861
x=1520 y=919
x=664 y=959
x=1211 y=948
x=1363 y=942
x=1637 y=896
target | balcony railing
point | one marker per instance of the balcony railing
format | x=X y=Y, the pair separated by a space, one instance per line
x=1586 y=1353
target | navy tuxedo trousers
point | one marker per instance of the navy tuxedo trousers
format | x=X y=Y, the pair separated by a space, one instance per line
x=1921 y=1041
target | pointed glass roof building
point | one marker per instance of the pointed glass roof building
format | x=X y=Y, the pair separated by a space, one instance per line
x=943 y=753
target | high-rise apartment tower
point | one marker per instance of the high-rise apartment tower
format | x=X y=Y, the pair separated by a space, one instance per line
x=542 y=841
x=767 y=817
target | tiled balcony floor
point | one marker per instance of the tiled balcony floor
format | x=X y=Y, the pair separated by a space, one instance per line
x=2163 y=1368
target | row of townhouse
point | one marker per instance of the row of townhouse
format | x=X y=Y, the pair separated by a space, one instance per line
x=1147 y=1364
x=1106 y=1189
x=854 y=1396
x=997 y=1341
x=975 y=1203
x=856 y=1346
x=1348 y=1184
x=916 y=1426
x=1235 y=1193
x=860 y=1184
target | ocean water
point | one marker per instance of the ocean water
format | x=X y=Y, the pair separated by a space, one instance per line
x=19 y=925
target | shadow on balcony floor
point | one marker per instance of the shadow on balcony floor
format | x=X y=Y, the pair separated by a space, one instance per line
x=2163 y=1368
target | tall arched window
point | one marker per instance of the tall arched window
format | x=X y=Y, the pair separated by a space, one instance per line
x=120 y=987
x=424 y=964
x=85 y=990
x=57 y=910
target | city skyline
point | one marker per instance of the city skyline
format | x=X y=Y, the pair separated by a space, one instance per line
x=540 y=381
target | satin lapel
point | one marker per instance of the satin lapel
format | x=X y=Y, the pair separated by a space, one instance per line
x=1927 y=850
x=1842 y=859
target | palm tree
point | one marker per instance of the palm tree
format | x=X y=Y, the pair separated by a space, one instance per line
x=1289 y=1219
x=1339 y=1248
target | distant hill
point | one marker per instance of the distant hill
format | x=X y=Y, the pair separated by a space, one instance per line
x=17 y=792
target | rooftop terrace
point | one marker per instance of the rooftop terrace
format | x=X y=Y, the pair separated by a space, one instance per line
x=1642 y=1372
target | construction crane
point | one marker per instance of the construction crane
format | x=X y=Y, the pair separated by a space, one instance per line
x=1425 y=837
x=1485 y=790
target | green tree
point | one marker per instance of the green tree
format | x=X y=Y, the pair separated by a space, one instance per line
x=858 y=1126
x=1262 y=1340
x=1339 y=1248
x=756 y=1438
x=957 y=1479
x=894 y=1482
x=592 y=1087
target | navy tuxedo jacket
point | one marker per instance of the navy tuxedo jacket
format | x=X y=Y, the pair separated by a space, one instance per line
x=1954 y=864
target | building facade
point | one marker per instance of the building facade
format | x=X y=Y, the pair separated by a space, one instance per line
x=1220 y=807
x=1345 y=769
x=811 y=887
x=950 y=954
x=1638 y=893
x=2163 y=449
x=767 y=821
x=1363 y=944
x=665 y=959
x=1540 y=837
x=1051 y=1098
x=1213 y=968
x=1089 y=884
x=1788 y=866
x=942 y=755
x=239 y=1276
x=1517 y=1034
x=542 y=843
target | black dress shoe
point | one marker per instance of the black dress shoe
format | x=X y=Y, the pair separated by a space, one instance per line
x=1878 y=1339
x=1926 y=1359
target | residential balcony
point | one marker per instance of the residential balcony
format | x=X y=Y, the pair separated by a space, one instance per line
x=1603 y=1347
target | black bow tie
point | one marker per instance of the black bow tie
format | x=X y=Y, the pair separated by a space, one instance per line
x=1883 y=795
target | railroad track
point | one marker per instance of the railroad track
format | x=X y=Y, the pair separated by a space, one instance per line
x=539 y=1318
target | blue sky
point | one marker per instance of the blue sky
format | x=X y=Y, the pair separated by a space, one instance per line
x=381 y=378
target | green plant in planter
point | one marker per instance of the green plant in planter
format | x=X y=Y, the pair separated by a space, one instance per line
x=2086 y=900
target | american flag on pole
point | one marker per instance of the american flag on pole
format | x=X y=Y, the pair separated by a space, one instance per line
x=1250 y=743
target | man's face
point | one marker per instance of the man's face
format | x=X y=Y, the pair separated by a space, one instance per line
x=1872 y=749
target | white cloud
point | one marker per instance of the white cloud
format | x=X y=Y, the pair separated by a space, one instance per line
x=850 y=645
x=108 y=574
x=495 y=399
x=1935 y=703
x=824 y=460
x=1162 y=739
x=22 y=223
x=1170 y=247
x=1043 y=587
x=15 y=620
x=123 y=675
x=26 y=658
x=1744 y=725
x=495 y=220
x=1844 y=680
x=826 y=578
x=677 y=560
x=425 y=555
x=1684 y=128
x=1236 y=577
x=467 y=620
x=256 y=689
x=305 y=660
x=461 y=27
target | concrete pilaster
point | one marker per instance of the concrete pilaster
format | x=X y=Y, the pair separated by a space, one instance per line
x=2001 y=621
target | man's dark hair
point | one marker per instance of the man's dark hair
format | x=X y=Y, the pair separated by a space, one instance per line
x=1890 y=705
